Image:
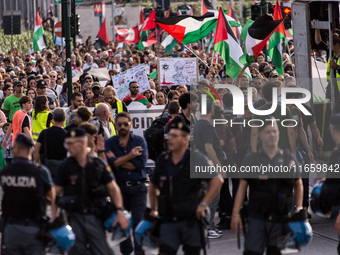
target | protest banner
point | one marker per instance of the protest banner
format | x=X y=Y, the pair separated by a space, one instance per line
x=142 y=117
x=177 y=71
x=121 y=81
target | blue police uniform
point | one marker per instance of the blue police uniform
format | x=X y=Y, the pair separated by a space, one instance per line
x=24 y=206
x=270 y=202
x=84 y=199
x=177 y=203
x=131 y=183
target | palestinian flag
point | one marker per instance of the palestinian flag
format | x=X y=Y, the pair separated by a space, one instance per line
x=255 y=35
x=101 y=39
x=38 y=37
x=140 y=98
x=187 y=29
x=206 y=7
x=168 y=43
x=149 y=23
x=275 y=47
x=127 y=35
x=237 y=28
x=227 y=46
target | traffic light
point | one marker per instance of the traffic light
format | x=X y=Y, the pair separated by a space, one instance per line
x=287 y=13
x=256 y=11
x=270 y=8
x=73 y=18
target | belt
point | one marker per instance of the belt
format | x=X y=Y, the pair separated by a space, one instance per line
x=130 y=183
x=26 y=222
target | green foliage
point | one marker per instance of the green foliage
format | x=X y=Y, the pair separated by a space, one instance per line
x=21 y=42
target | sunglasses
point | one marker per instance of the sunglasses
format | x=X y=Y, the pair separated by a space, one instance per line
x=125 y=124
x=53 y=76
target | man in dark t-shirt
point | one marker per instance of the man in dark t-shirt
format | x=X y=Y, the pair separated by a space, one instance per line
x=49 y=148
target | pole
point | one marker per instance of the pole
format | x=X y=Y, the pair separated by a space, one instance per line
x=113 y=20
x=331 y=56
x=205 y=63
x=67 y=16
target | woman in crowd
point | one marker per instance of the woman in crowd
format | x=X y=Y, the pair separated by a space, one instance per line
x=161 y=98
x=7 y=90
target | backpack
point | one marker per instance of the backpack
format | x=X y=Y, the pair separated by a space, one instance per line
x=154 y=137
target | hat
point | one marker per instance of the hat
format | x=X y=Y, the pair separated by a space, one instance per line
x=203 y=82
x=17 y=83
x=96 y=84
x=23 y=139
x=177 y=123
x=41 y=84
x=175 y=55
x=75 y=132
x=267 y=69
x=118 y=56
x=273 y=73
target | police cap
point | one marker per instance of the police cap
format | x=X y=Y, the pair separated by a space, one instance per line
x=24 y=140
x=75 y=132
x=178 y=124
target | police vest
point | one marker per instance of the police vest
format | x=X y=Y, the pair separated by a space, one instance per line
x=21 y=183
x=17 y=121
x=85 y=184
x=337 y=75
x=39 y=123
x=179 y=194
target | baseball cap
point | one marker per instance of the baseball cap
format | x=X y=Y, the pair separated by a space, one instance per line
x=96 y=84
x=118 y=56
x=17 y=83
x=41 y=84
x=273 y=73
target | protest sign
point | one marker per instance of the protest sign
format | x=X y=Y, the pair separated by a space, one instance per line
x=142 y=117
x=121 y=81
x=177 y=71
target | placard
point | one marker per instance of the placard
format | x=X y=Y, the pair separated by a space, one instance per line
x=177 y=71
x=121 y=81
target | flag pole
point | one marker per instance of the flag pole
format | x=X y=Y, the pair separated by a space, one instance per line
x=212 y=58
x=205 y=63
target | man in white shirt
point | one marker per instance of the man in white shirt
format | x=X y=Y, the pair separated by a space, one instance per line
x=89 y=64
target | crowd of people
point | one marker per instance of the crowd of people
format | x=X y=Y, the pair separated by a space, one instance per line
x=87 y=145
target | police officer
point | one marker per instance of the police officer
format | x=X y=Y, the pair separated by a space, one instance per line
x=127 y=154
x=181 y=202
x=82 y=184
x=26 y=187
x=270 y=199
